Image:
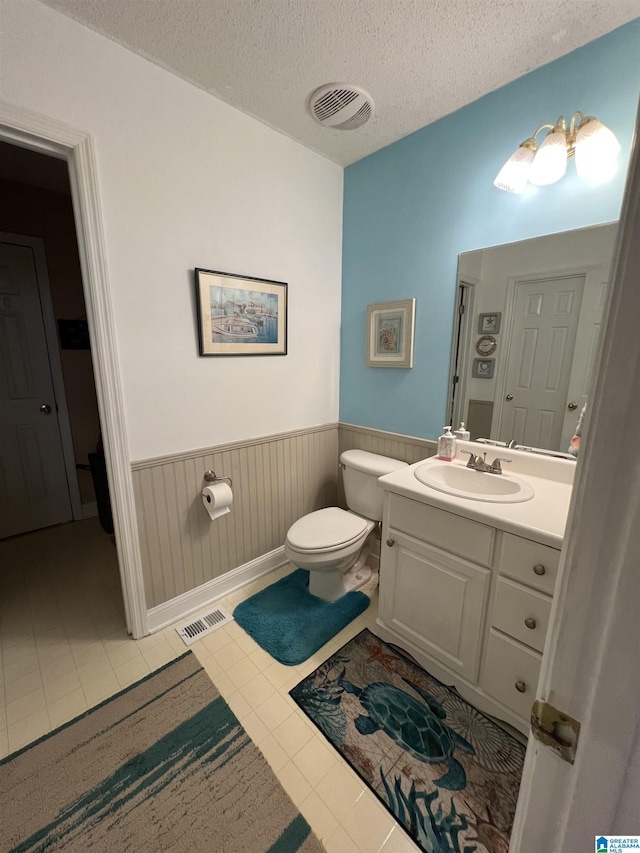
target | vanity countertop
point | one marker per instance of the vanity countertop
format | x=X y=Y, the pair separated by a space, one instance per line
x=542 y=518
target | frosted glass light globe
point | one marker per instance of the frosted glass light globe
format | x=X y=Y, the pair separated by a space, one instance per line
x=514 y=174
x=596 y=150
x=550 y=163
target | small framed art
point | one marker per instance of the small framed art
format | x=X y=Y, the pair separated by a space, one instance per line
x=489 y=323
x=390 y=329
x=483 y=368
x=240 y=315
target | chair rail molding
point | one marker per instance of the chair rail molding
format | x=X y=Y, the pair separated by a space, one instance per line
x=40 y=133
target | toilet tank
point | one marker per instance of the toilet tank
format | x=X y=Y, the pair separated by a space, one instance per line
x=360 y=472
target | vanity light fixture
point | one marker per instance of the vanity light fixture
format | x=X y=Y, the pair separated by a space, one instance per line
x=594 y=146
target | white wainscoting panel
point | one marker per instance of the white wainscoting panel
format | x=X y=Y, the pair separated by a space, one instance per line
x=276 y=480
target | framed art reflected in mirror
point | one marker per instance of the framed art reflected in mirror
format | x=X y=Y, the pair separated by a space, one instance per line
x=489 y=322
x=483 y=368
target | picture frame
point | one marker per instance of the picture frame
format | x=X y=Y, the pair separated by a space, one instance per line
x=390 y=333
x=483 y=368
x=240 y=315
x=489 y=324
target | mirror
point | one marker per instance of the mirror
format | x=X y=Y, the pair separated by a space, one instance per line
x=541 y=301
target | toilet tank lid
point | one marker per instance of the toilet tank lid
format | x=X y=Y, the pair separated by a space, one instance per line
x=371 y=463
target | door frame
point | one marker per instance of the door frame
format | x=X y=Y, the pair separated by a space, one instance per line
x=47 y=136
x=55 y=365
x=589 y=667
x=458 y=398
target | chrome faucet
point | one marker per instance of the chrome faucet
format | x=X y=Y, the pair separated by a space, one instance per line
x=479 y=464
x=495 y=467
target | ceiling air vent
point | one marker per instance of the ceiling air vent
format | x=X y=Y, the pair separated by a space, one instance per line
x=341 y=106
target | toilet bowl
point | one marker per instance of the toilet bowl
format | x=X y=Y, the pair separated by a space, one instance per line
x=330 y=544
x=333 y=543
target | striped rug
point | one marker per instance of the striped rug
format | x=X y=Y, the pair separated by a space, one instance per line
x=162 y=766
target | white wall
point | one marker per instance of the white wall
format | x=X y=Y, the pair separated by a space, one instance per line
x=187 y=181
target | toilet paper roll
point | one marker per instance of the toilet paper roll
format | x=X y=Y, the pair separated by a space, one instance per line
x=217 y=499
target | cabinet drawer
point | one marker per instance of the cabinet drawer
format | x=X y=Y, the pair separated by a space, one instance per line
x=521 y=613
x=445 y=530
x=508 y=665
x=529 y=562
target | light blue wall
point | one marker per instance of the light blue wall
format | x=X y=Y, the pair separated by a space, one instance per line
x=411 y=208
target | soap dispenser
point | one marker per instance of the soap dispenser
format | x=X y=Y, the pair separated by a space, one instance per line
x=447 y=445
x=462 y=433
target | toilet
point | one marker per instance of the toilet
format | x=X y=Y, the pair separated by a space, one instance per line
x=333 y=543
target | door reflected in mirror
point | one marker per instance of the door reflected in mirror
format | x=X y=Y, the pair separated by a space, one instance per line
x=550 y=293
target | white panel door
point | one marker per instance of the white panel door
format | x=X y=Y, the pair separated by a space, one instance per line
x=545 y=321
x=33 y=484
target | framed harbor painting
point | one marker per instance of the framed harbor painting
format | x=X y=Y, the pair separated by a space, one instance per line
x=240 y=315
x=390 y=333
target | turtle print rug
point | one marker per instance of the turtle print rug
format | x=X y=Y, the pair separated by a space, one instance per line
x=448 y=774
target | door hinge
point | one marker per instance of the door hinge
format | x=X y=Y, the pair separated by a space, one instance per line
x=460 y=309
x=555 y=729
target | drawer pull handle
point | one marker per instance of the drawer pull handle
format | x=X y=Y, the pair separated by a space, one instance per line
x=539 y=569
x=521 y=687
x=530 y=622
x=391 y=543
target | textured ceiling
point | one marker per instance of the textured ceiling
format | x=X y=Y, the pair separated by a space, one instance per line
x=418 y=59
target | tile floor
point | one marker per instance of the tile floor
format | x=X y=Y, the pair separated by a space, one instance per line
x=64 y=649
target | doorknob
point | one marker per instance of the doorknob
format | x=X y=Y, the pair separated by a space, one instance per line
x=509 y=397
x=571 y=406
x=45 y=408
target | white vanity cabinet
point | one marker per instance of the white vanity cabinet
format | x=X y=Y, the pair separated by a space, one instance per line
x=470 y=602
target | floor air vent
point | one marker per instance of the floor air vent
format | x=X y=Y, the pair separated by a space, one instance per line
x=202 y=625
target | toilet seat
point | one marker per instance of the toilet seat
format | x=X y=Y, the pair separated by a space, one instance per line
x=327 y=530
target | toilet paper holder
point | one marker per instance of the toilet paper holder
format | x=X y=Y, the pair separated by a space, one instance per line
x=212 y=477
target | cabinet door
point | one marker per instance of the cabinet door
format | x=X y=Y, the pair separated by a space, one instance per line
x=435 y=600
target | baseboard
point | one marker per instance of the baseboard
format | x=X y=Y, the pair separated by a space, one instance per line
x=90 y=510
x=202 y=596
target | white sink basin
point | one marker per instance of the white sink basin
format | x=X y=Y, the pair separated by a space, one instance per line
x=463 y=482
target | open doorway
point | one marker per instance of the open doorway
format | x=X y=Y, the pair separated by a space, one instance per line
x=52 y=457
x=34 y=132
